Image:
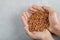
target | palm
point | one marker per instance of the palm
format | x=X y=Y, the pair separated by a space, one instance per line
x=35 y=35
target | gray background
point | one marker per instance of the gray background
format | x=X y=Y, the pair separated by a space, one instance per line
x=11 y=27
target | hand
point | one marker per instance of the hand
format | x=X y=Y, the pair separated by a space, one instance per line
x=52 y=15
x=35 y=35
x=53 y=20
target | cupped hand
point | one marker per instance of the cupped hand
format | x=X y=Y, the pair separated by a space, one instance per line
x=35 y=35
x=53 y=20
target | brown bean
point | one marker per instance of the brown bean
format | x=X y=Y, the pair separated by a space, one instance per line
x=38 y=21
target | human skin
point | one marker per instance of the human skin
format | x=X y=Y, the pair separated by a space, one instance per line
x=54 y=22
x=45 y=35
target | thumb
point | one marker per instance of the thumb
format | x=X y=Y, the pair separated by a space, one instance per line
x=40 y=35
x=54 y=19
x=51 y=11
x=52 y=14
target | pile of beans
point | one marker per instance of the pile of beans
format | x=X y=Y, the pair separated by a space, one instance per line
x=38 y=21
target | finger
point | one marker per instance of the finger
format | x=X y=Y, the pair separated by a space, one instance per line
x=46 y=31
x=50 y=29
x=40 y=35
x=24 y=21
x=41 y=32
x=55 y=16
x=51 y=12
x=48 y=34
x=31 y=10
x=37 y=7
x=53 y=20
x=45 y=10
x=25 y=16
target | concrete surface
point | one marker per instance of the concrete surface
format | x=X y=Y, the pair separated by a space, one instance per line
x=11 y=27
